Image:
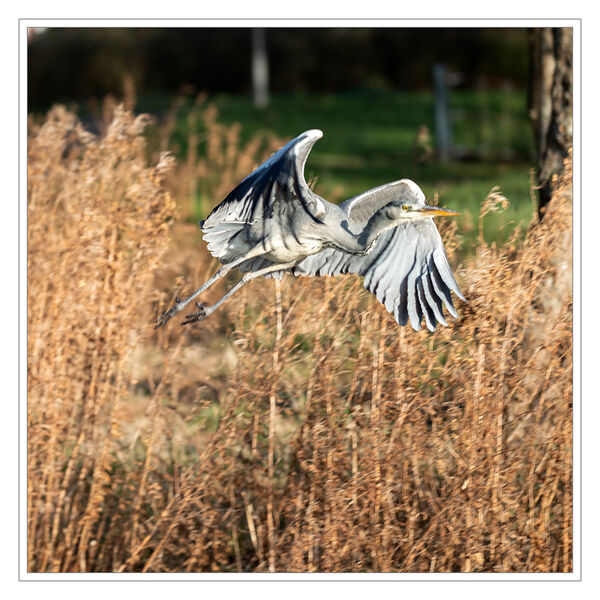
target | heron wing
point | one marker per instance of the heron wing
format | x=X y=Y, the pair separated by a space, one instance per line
x=254 y=202
x=407 y=271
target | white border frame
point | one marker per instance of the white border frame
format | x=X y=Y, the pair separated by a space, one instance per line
x=576 y=24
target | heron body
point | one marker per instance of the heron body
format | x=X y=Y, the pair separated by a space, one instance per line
x=273 y=223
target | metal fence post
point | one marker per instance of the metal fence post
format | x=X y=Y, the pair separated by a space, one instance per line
x=260 y=68
x=443 y=134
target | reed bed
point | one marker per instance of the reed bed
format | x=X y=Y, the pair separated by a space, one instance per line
x=299 y=429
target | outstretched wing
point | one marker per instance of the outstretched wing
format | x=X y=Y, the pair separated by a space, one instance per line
x=254 y=201
x=407 y=269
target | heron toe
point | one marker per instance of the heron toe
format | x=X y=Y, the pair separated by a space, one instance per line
x=165 y=317
x=201 y=314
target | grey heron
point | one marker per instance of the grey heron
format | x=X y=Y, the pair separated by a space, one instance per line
x=272 y=223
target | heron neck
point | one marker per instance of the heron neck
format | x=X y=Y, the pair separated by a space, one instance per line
x=376 y=225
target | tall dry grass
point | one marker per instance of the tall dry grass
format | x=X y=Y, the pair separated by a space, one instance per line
x=97 y=227
x=298 y=429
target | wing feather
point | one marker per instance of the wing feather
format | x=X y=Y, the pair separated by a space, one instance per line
x=428 y=313
x=433 y=300
x=258 y=198
x=407 y=271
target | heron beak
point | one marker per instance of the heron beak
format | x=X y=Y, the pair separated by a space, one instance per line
x=436 y=211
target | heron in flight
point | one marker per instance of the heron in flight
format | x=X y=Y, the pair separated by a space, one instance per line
x=272 y=223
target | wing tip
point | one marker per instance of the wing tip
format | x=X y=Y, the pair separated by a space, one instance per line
x=416 y=326
x=314 y=134
x=459 y=294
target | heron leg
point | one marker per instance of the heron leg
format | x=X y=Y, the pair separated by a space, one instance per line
x=206 y=311
x=181 y=304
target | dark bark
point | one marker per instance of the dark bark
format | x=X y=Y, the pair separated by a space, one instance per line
x=551 y=103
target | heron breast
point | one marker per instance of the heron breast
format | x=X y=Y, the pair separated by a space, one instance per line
x=291 y=248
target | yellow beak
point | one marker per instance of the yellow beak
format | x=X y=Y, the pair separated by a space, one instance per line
x=436 y=211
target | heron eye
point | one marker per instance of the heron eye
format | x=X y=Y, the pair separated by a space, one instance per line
x=405 y=207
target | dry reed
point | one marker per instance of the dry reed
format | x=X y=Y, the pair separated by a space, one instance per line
x=97 y=226
x=315 y=435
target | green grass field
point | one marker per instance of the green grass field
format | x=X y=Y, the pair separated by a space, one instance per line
x=375 y=137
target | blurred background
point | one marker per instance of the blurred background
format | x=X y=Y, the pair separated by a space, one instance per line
x=447 y=108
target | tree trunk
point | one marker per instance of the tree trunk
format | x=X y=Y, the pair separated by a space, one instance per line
x=550 y=111
x=551 y=103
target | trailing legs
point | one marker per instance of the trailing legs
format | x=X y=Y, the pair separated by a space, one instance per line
x=206 y=311
x=181 y=304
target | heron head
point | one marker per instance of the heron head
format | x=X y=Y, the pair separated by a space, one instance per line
x=412 y=211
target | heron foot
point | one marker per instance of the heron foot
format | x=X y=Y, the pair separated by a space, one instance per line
x=179 y=305
x=200 y=315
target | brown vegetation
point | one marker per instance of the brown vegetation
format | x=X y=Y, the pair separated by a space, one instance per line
x=298 y=429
